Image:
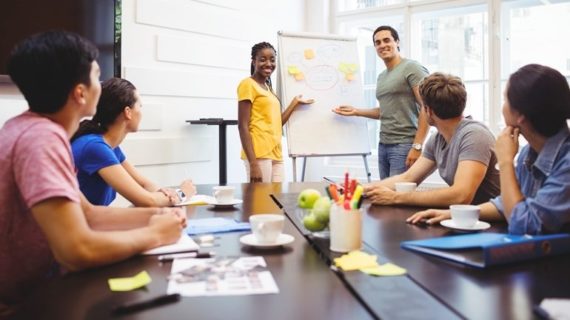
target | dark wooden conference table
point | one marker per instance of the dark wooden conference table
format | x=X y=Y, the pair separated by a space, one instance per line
x=308 y=288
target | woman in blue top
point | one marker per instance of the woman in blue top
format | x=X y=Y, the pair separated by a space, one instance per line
x=535 y=194
x=102 y=168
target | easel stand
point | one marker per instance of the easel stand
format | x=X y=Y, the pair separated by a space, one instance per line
x=294 y=157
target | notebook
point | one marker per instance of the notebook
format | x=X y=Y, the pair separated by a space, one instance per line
x=184 y=244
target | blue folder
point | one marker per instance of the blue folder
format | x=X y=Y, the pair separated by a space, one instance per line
x=486 y=249
x=215 y=225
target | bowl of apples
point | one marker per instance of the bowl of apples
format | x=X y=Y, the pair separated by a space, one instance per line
x=313 y=212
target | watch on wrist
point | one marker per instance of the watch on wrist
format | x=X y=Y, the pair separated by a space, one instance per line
x=181 y=195
x=417 y=146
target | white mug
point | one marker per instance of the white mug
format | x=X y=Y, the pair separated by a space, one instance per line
x=224 y=194
x=267 y=227
x=405 y=186
x=464 y=215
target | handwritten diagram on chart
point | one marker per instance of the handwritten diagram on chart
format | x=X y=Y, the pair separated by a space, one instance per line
x=321 y=68
x=325 y=69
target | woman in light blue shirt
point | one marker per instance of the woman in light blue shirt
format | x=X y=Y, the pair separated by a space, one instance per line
x=535 y=194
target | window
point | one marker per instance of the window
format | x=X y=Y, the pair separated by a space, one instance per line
x=347 y=5
x=455 y=41
x=535 y=32
x=461 y=38
x=454 y=37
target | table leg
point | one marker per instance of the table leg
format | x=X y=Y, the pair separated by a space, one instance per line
x=223 y=155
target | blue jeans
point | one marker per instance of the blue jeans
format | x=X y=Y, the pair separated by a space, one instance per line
x=392 y=159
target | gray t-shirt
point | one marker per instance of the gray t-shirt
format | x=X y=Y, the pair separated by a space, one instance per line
x=472 y=140
x=398 y=108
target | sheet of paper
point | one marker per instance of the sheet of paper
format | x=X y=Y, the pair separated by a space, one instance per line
x=387 y=269
x=198 y=200
x=556 y=308
x=184 y=244
x=130 y=283
x=221 y=277
x=355 y=260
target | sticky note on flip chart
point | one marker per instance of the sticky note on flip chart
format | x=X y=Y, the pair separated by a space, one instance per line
x=309 y=54
x=293 y=70
x=347 y=68
x=130 y=283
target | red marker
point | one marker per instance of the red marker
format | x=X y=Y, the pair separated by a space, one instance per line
x=346 y=190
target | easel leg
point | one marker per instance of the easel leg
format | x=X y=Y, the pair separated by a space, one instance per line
x=304 y=168
x=294 y=169
x=368 y=174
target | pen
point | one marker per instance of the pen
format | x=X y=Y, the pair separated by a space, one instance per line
x=337 y=185
x=145 y=304
x=170 y=257
x=346 y=190
x=276 y=201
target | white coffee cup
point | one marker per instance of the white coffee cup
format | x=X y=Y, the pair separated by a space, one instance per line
x=267 y=227
x=464 y=215
x=405 y=186
x=224 y=194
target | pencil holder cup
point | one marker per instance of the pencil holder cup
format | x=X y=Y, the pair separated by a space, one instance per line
x=345 y=229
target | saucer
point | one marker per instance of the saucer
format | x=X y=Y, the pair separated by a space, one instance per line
x=480 y=225
x=227 y=204
x=250 y=240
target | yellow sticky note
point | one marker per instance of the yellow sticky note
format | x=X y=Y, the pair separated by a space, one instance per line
x=387 y=269
x=349 y=76
x=130 y=283
x=299 y=76
x=293 y=70
x=347 y=67
x=355 y=260
x=309 y=54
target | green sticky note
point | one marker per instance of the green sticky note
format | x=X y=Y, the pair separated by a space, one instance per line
x=387 y=269
x=130 y=283
x=293 y=70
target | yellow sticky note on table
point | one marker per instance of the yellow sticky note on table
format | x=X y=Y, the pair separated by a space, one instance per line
x=387 y=269
x=355 y=260
x=130 y=283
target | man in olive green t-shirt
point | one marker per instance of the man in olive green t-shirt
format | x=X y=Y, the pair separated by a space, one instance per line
x=403 y=125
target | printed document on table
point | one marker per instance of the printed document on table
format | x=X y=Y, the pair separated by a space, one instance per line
x=221 y=277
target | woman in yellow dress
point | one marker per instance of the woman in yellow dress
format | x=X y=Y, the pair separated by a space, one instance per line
x=260 y=119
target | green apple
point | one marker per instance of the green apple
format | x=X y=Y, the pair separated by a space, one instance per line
x=312 y=224
x=307 y=198
x=322 y=208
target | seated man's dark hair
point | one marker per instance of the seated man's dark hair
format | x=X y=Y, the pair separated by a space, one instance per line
x=46 y=66
x=445 y=94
